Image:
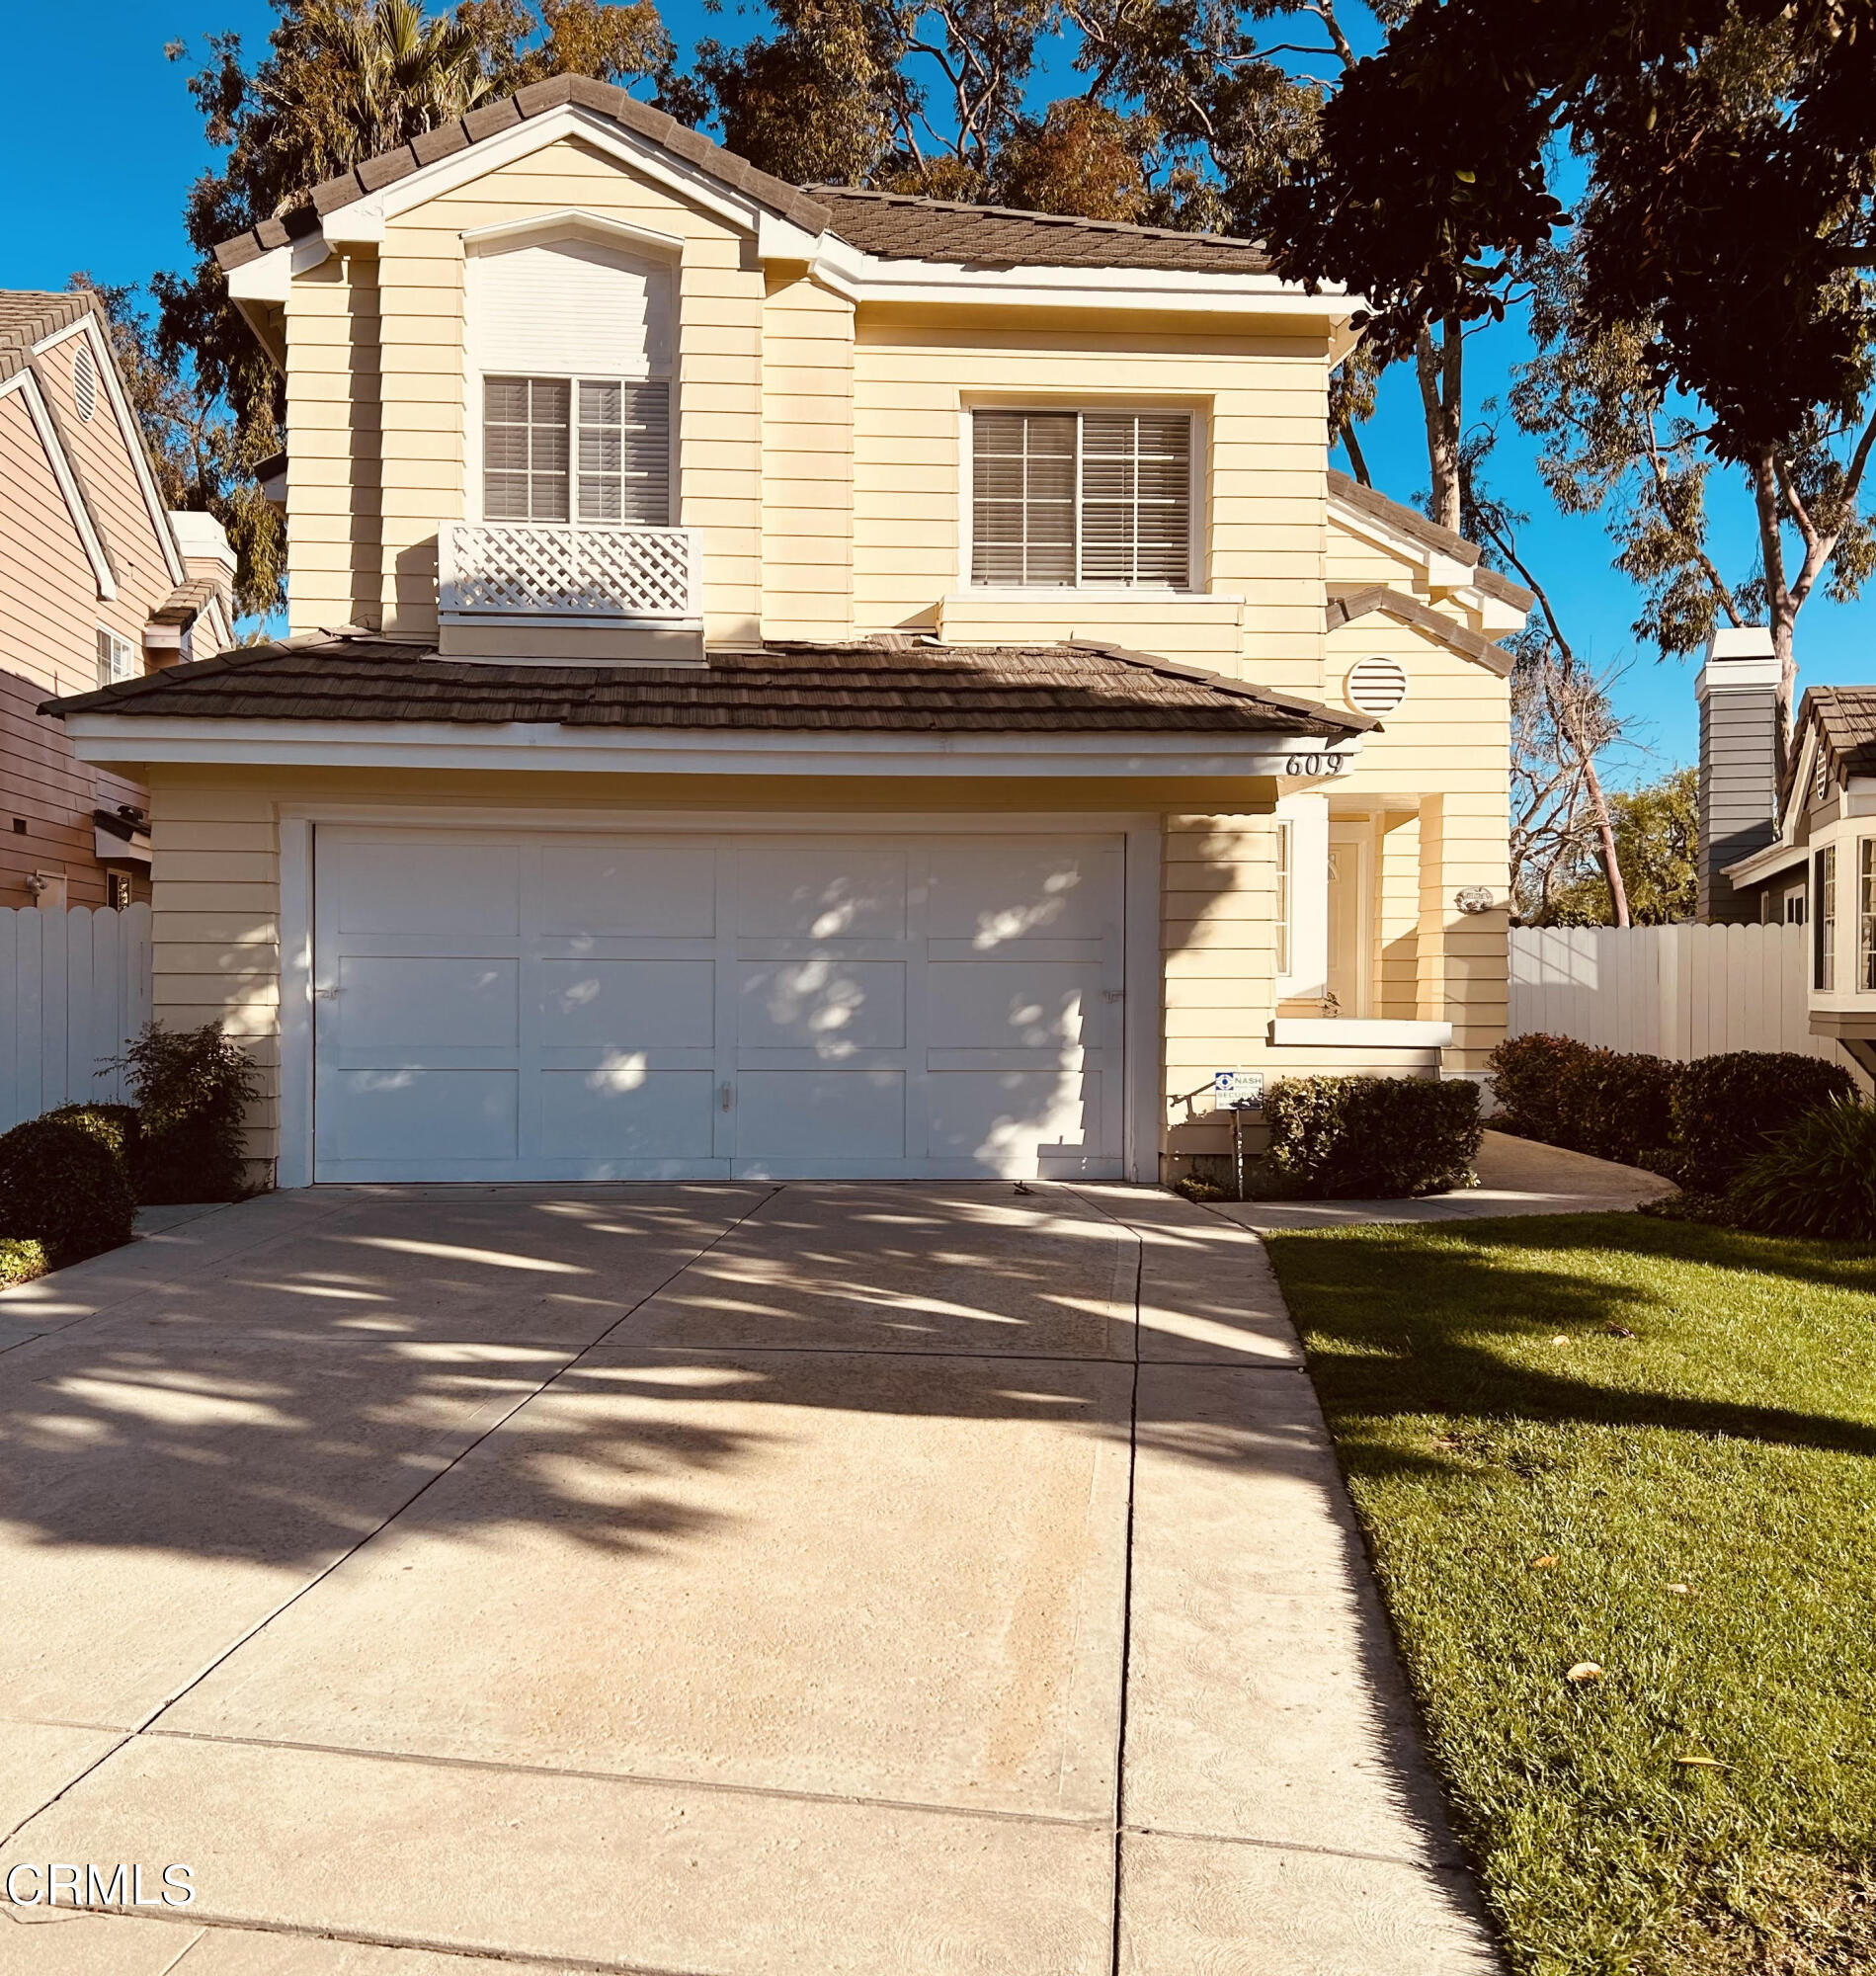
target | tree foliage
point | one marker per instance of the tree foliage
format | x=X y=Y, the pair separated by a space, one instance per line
x=1657 y=831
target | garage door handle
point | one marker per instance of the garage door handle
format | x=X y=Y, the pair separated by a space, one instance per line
x=727 y=1094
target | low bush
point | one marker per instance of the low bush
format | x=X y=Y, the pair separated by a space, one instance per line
x=1817 y=1177
x=1613 y=1104
x=1527 y=1079
x=21 y=1261
x=115 y=1124
x=1371 y=1138
x=193 y=1088
x=1727 y=1109
x=63 y=1187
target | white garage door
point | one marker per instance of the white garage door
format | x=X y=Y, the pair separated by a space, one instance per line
x=499 y=1004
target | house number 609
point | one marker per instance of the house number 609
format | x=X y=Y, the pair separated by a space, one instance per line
x=1315 y=765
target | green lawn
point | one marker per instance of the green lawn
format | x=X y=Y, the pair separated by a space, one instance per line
x=1651 y=1405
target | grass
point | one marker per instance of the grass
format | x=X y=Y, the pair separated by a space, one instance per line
x=1683 y=1418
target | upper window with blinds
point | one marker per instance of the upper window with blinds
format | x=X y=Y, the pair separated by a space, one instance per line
x=595 y=450
x=1082 y=498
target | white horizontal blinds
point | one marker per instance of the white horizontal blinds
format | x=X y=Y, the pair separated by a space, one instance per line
x=625 y=449
x=1136 y=498
x=1098 y=498
x=1023 y=522
x=525 y=450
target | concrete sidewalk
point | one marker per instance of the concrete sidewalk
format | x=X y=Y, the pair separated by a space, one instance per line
x=1516 y=1177
x=772 y=1581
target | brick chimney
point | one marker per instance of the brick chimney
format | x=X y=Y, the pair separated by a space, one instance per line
x=1741 y=751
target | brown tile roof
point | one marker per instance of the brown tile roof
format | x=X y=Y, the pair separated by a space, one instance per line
x=1410 y=522
x=1346 y=606
x=895 y=226
x=909 y=687
x=185 y=603
x=29 y=316
x=1845 y=718
x=603 y=98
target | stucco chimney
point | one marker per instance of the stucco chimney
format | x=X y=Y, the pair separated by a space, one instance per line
x=1742 y=746
x=204 y=544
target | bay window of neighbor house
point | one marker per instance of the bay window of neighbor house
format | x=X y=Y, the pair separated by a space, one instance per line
x=1824 y=921
x=1866 y=914
x=595 y=450
x=1091 y=499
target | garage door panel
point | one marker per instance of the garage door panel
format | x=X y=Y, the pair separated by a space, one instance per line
x=816 y=1115
x=443 y=1117
x=834 y=1006
x=627 y=1003
x=422 y=886
x=627 y=1112
x=992 y=894
x=822 y=892
x=427 y=1003
x=1028 y=1005
x=1004 y=1119
x=663 y=890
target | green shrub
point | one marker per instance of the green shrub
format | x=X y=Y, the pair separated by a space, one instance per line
x=1727 y=1109
x=1527 y=1079
x=193 y=1088
x=115 y=1124
x=21 y=1261
x=1817 y=1177
x=63 y=1187
x=1619 y=1106
x=1371 y=1138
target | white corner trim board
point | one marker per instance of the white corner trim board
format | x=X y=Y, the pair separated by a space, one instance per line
x=1345 y=1032
x=118 y=737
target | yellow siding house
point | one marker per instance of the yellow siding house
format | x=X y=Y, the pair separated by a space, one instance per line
x=809 y=683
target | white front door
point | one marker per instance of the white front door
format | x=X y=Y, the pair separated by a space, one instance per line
x=506 y=1005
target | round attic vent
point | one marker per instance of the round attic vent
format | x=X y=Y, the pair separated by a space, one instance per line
x=1376 y=686
x=85 y=384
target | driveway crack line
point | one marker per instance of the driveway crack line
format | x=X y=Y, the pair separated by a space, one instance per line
x=318 y=1578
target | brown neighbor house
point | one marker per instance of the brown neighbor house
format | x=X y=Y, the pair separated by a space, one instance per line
x=97 y=582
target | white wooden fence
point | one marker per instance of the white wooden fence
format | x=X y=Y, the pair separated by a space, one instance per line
x=1679 y=991
x=75 y=987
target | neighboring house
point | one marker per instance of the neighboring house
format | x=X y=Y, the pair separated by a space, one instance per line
x=809 y=683
x=97 y=583
x=1820 y=868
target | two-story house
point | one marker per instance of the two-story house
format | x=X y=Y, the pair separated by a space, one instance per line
x=809 y=683
x=97 y=582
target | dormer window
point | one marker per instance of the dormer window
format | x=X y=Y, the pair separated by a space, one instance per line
x=593 y=448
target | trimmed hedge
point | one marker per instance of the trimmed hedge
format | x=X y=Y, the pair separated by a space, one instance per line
x=1817 y=1177
x=1353 y=1138
x=1728 y=1109
x=63 y=1187
x=1613 y=1103
x=116 y=1125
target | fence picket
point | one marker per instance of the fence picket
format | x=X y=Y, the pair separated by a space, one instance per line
x=75 y=987
x=1679 y=991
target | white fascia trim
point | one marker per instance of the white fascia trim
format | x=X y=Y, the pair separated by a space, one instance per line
x=1767 y=863
x=1443 y=572
x=1127 y=288
x=268 y=277
x=1496 y=615
x=89 y=538
x=129 y=431
x=118 y=737
x=570 y=220
x=521 y=140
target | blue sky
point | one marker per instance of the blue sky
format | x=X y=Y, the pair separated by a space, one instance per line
x=109 y=198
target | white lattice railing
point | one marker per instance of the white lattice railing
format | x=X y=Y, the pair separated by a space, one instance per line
x=515 y=569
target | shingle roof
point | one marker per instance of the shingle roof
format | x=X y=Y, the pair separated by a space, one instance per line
x=893 y=226
x=29 y=316
x=1347 y=606
x=583 y=92
x=869 y=688
x=896 y=226
x=1846 y=718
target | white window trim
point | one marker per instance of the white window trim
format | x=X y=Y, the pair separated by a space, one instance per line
x=474 y=503
x=130 y=646
x=1198 y=522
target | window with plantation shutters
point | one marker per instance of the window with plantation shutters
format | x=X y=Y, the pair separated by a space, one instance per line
x=1101 y=499
x=591 y=450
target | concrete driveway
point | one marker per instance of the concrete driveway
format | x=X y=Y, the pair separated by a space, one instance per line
x=739 y=1578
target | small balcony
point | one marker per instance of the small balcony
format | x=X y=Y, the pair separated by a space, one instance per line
x=518 y=590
